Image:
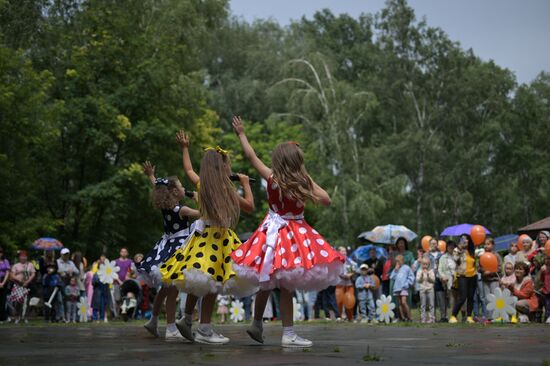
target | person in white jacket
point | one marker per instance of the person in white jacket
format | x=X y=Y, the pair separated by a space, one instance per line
x=446 y=272
x=425 y=279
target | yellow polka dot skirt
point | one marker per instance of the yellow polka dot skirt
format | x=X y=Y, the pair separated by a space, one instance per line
x=204 y=265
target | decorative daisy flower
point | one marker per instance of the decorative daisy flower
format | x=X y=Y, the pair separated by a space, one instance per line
x=384 y=309
x=502 y=304
x=83 y=310
x=236 y=311
x=108 y=272
x=297 y=313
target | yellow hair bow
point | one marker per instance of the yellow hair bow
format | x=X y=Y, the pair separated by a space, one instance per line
x=218 y=149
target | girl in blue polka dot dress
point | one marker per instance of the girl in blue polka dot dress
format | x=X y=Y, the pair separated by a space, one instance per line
x=203 y=267
x=167 y=193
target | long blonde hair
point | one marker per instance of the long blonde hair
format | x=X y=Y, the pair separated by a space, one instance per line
x=218 y=201
x=289 y=172
x=163 y=197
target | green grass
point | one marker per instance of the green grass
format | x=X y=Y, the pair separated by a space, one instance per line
x=371 y=357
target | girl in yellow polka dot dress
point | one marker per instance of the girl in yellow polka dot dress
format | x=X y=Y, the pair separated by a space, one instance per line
x=202 y=266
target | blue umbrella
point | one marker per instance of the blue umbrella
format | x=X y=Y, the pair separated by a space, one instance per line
x=503 y=242
x=361 y=254
x=388 y=234
x=461 y=229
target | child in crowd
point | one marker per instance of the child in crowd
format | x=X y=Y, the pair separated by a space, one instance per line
x=509 y=277
x=364 y=285
x=72 y=295
x=166 y=195
x=490 y=280
x=514 y=255
x=425 y=278
x=223 y=307
x=50 y=282
x=203 y=267
x=285 y=252
x=545 y=279
x=403 y=278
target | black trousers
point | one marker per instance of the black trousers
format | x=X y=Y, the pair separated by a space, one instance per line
x=3 y=309
x=466 y=290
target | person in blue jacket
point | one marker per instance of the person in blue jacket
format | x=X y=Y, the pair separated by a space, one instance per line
x=403 y=278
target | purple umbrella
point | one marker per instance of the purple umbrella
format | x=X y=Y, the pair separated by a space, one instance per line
x=461 y=229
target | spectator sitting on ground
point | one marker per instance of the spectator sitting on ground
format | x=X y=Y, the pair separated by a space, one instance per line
x=524 y=290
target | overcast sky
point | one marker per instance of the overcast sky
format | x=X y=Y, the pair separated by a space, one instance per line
x=513 y=33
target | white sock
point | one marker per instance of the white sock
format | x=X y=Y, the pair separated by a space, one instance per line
x=171 y=328
x=188 y=319
x=258 y=323
x=289 y=331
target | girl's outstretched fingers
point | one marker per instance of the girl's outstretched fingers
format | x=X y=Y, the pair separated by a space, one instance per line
x=182 y=139
x=238 y=125
x=148 y=168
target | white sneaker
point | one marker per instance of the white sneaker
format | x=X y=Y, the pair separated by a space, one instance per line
x=212 y=338
x=255 y=333
x=295 y=342
x=523 y=318
x=185 y=330
x=364 y=320
x=16 y=321
x=151 y=327
x=173 y=336
x=548 y=320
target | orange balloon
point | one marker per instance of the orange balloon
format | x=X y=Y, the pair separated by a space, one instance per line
x=426 y=243
x=442 y=246
x=477 y=234
x=547 y=248
x=489 y=262
x=520 y=240
x=377 y=280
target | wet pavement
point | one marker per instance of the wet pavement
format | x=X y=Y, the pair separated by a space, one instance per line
x=334 y=344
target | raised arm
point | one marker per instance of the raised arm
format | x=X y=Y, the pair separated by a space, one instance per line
x=149 y=171
x=247 y=201
x=248 y=151
x=183 y=140
x=189 y=212
x=321 y=196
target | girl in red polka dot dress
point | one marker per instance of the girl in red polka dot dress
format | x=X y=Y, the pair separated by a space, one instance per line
x=285 y=252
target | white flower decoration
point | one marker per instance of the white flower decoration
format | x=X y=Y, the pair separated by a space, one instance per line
x=83 y=310
x=236 y=311
x=502 y=304
x=384 y=309
x=108 y=272
x=297 y=313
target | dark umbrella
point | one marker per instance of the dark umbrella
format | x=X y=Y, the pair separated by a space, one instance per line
x=362 y=253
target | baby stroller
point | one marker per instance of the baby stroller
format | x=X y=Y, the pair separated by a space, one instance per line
x=131 y=294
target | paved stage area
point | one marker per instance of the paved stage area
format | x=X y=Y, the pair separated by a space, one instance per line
x=334 y=344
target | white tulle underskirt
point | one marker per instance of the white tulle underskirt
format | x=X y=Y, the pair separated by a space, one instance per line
x=317 y=278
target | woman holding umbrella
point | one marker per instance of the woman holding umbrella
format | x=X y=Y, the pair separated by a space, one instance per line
x=403 y=249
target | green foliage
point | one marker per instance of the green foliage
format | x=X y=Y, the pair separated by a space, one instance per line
x=398 y=123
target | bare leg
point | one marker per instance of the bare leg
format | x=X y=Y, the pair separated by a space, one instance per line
x=159 y=299
x=171 y=297
x=190 y=303
x=286 y=308
x=207 y=307
x=260 y=303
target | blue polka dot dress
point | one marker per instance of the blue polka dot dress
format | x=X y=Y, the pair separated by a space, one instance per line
x=176 y=231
